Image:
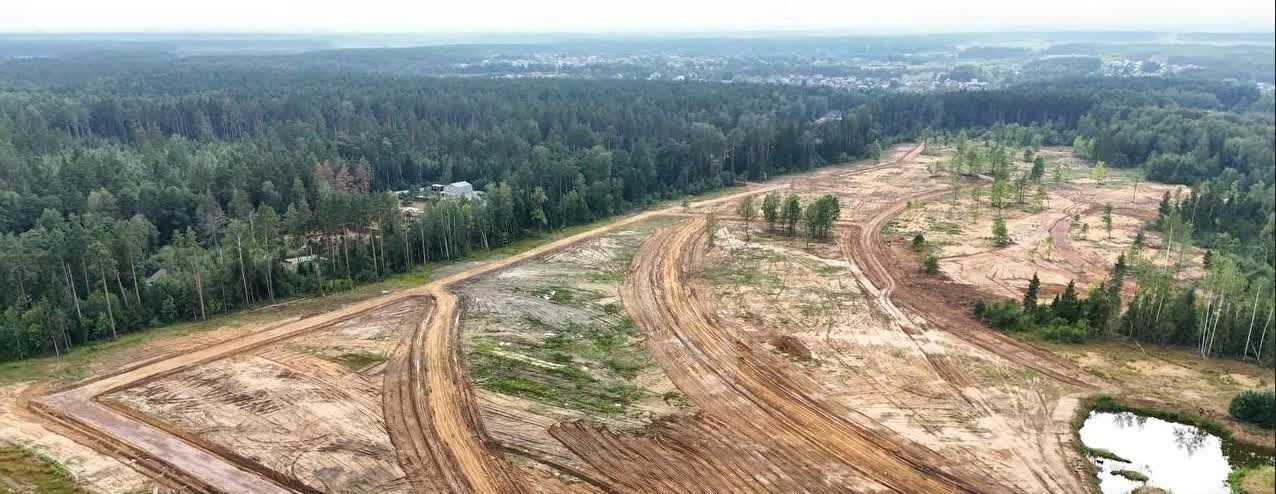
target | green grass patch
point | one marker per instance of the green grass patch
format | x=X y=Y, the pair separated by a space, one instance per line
x=555 y=293
x=744 y=269
x=1253 y=480
x=34 y=472
x=1102 y=453
x=586 y=367
x=948 y=227
x=358 y=360
x=1131 y=475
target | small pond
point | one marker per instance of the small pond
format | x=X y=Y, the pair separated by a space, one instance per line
x=1177 y=457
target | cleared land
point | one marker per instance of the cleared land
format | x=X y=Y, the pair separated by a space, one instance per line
x=635 y=357
x=1060 y=236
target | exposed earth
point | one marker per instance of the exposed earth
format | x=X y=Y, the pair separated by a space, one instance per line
x=642 y=356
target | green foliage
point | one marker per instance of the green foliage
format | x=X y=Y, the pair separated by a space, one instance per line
x=931 y=265
x=747 y=211
x=112 y=172
x=29 y=470
x=1068 y=319
x=1030 y=295
x=919 y=242
x=1253 y=480
x=359 y=360
x=1255 y=407
x=791 y=213
x=1131 y=475
x=771 y=209
x=1104 y=454
x=1000 y=236
x=820 y=216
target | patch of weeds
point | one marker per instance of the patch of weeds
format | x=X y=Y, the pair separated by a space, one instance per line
x=1103 y=453
x=518 y=386
x=358 y=360
x=743 y=270
x=606 y=275
x=555 y=294
x=676 y=399
x=1253 y=480
x=33 y=471
x=595 y=366
x=947 y=227
x=1131 y=475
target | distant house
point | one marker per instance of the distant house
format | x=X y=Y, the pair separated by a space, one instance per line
x=461 y=190
x=156 y=277
x=456 y=190
x=293 y=263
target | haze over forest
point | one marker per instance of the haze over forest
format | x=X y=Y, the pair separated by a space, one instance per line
x=589 y=247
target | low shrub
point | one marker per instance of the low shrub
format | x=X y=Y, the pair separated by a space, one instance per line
x=931 y=265
x=1255 y=407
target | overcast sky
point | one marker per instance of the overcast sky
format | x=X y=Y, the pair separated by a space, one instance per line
x=632 y=16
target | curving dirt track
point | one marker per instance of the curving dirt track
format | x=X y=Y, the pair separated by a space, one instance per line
x=436 y=425
x=866 y=247
x=761 y=398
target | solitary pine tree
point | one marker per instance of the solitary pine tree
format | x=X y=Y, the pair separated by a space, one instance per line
x=747 y=211
x=1100 y=172
x=1000 y=236
x=1038 y=169
x=1030 y=296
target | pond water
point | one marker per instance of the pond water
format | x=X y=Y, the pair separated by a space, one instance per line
x=1177 y=457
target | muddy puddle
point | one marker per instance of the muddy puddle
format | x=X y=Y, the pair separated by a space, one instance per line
x=1179 y=458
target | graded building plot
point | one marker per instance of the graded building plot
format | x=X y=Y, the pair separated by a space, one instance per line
x=548 y=341
x=1060 y=236
x=305 y=411
x=803 y=303
x=859 y=186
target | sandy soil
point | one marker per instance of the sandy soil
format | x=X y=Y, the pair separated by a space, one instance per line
x=289 y=407
x=556 y=323
x=772 y=366
x=92 y=470
x=1061 y=241
x=1175 y=379
x=920 y=382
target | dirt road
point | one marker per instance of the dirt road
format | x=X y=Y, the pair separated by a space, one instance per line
x=866 y=247
x=759 y=395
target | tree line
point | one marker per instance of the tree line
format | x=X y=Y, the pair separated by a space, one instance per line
x=180 y=191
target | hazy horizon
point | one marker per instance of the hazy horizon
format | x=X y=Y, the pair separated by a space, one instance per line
x=654 y=17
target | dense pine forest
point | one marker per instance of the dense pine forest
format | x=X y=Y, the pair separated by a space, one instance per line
x=144 y=194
